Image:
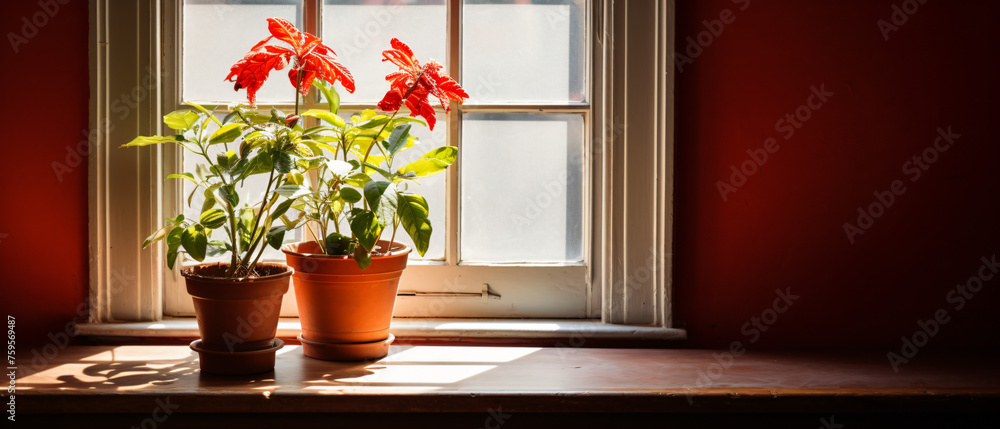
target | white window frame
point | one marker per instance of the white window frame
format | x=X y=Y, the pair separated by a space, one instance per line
x=629 y=250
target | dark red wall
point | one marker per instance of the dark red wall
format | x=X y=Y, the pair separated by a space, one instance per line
x=784 y=228
x=43 y=220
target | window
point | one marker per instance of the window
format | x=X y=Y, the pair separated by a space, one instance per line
x=546 y=232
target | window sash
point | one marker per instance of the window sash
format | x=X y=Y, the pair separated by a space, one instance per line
x=535 y=290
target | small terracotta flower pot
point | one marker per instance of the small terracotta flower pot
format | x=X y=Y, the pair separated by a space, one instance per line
x=342 y=306
x=237 y=315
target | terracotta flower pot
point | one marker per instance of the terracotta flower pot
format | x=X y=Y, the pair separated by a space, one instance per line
x=236 y=316
x=345 y=311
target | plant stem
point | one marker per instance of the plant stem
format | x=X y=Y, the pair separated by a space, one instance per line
x=395 y=226
x=298 y=82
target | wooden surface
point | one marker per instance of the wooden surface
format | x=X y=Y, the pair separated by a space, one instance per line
x=417 y=379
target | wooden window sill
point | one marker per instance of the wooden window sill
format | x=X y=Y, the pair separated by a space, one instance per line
x=100 y=382
x=541 y=332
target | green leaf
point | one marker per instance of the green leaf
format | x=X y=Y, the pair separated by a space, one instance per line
x=213 y=218
x=176 y=221
x=359 y=180
x=381 y=197
x=398 y=138
x=362 y=257
x=226 y=160
x=195 y=242
x=146 y=141
x=375 y=121
x=226 y=134
x=328 y=117
x=366 y=228
x=281 y=208
x=256 y=165
x=444 y=153
x=332 y=97
x=276 y=236
x=405 y=119
x=375 y=168
x=173 y=242
x=209 y=202
x=158 y=235
x=350 y=195
x=205 y=111
x=283 y=162
x=188 y=176
x=229 y=195
x=337 y=244
x=310 y=163
x=292 y=191
x=424 y=167
x=180 y=119
x=413 y=214
x=217 y=248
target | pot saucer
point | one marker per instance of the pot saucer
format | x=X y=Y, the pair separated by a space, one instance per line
x=346 y=351
x=235 y=363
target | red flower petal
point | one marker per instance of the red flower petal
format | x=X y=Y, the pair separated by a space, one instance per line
x=311 y=60
x=251 y=71
x=415 y=84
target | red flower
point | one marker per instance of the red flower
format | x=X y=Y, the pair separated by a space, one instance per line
x=413 y=84
x=309 y=59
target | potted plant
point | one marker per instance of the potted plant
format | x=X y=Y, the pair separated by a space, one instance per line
x=237 y=302
x=346 y=281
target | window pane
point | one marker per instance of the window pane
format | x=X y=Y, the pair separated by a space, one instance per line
x=217 y=34
x=533 y=51
x=359 y=30
x=522 y=187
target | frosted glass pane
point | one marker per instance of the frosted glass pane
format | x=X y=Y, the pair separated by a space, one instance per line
x=522 y=187
x=360 y=30
x=217 y=34
x=252 y=191
x=533 y=51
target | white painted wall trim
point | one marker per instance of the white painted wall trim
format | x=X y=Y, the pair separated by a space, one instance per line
x=634 y=108
x=124 y=201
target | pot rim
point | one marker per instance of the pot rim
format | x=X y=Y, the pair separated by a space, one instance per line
x=189 y=272
x=394 y=251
